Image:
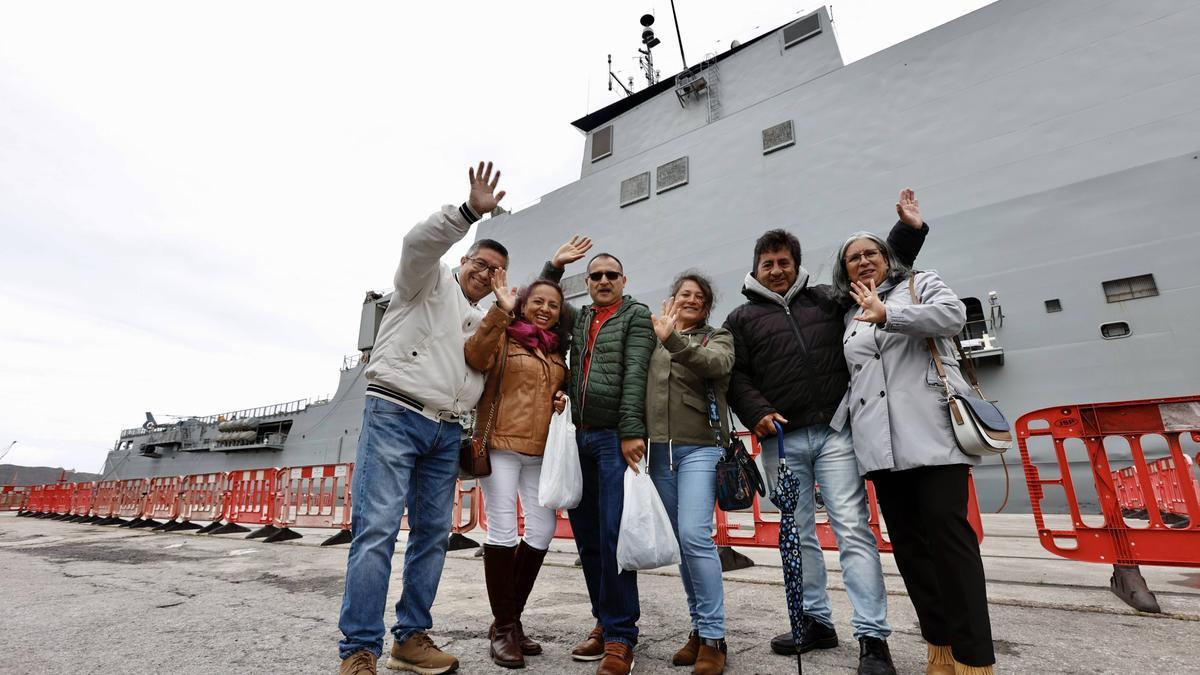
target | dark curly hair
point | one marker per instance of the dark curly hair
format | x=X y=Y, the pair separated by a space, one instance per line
x=776 y=240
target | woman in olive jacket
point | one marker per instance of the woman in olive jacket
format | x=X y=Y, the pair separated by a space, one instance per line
x=520 y=347
x=896 y=407
x=690 y=360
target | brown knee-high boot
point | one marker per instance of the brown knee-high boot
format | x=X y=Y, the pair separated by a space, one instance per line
x=498 y=563
x=528 y=564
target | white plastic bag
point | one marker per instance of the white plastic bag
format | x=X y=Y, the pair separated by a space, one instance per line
x=561 y=483
x=646 y=539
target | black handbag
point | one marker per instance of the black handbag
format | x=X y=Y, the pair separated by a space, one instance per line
x=737 y=474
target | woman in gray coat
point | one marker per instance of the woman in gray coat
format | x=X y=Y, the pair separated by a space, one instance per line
x=902 y=438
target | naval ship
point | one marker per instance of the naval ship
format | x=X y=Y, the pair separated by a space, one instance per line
x=1055 y=149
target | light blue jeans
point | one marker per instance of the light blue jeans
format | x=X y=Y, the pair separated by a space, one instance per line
x=403 y=457
x=824 y=456
x=689 y=493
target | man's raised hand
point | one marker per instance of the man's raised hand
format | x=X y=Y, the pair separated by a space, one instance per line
x=506 y=297
x=909 y=209
x=483 y=197
x=571 y=251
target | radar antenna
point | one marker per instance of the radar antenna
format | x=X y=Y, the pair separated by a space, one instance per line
x=646 y=60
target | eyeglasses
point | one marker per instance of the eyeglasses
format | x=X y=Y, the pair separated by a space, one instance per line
x=608 y=274
x=871 y=255
x=479 y=265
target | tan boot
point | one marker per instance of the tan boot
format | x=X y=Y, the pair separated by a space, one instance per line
x=711 y=658
x=686 y=656
x=419 y=654
x=941 y=660
x=361 y=662
x=960 y=669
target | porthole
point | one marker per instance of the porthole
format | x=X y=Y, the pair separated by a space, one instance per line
x=1115 y=330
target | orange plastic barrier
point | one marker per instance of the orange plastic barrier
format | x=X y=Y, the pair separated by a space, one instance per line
x=81 y=501
x=203 y=499
x=251 y=497
x=131 y=501
x=163 y=496
x=104 y=502
x=60 y=499
x=312 y=496
x=1113 y=541
x=468 y=505
x=38 y=502
x=12 y=497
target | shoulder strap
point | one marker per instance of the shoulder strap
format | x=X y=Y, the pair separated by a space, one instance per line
x=714 y=415
x=930 y=342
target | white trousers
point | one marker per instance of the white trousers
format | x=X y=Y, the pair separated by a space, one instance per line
x=513 y=474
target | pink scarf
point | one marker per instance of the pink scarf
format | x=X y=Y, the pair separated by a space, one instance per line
x=532 y=337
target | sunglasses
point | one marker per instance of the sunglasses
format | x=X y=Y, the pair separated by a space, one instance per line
x=610 y=275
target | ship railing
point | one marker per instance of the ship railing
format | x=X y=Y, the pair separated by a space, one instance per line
x=978 y=340
x=351 y=361
x=261 y=411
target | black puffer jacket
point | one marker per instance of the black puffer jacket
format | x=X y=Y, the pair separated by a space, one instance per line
x=788 y=350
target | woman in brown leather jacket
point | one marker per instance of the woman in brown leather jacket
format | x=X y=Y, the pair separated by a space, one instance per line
x=520 y=346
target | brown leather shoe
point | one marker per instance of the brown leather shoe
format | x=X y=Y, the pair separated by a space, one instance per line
x=361 y=662
x=618 y=659
x=592 y=648
x=504 y=648
x=711 y=659
x=686 y=656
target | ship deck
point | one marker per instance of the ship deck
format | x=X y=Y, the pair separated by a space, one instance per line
x=82 y=598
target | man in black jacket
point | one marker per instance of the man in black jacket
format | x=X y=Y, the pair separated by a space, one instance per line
x=789 y=368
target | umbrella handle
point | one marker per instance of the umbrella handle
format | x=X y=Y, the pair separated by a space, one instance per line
x=779 y=440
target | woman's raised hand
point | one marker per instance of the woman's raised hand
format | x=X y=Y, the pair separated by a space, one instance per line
x=571 y=251
x=909 y=209
x=873 y=309
x=506 y=297
x=664 y=324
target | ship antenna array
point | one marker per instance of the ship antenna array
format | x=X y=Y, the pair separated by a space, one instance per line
x=646 y=60
x=612 y=77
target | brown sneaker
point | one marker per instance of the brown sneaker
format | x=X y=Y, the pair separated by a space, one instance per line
x=361 y=662
x=418 y=654
x=711 y=659
x=591 y=649
x=618 y=659
x=686 y=656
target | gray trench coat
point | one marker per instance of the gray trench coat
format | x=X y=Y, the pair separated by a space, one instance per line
x=895 y=403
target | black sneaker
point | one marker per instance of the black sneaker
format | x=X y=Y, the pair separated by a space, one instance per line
x=874 y=658
x=816 y=636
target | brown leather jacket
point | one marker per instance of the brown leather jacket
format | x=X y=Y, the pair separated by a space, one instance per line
x=526 y=390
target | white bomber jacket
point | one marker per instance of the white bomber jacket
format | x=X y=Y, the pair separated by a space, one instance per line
x=418 y=351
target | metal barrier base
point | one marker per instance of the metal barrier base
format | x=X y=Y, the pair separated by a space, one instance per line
x=460 y=542
x=209 y=527
x=145 y=523
x=1129 y=585
x=229 y=528
x=342 y=537
x=136 y=522
x=264 y=531
x=732 y=560
x=284 y=534
x=180 y=525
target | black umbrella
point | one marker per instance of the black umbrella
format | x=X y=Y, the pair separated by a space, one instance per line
x=786 y=495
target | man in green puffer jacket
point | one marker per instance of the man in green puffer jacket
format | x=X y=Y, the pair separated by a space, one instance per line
x=611 y=343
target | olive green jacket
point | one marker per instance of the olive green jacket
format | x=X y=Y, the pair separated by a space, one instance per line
x=677 y=392
x=613 y=394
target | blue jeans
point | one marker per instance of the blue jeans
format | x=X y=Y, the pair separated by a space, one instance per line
x=818 y=453
x=596 y=523
x=689 y=493
x=402 y=458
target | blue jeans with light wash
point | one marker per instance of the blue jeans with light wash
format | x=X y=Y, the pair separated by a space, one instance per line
x=819 y=454
x=686 y=478
x=403 y=458
x=596 y=522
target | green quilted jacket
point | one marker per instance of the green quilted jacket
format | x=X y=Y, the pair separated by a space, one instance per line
x=613 y=395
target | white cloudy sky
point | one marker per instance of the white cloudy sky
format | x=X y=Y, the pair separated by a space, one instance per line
x=194 y=196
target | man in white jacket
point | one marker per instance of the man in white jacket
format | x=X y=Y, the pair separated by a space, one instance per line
x=418 y=388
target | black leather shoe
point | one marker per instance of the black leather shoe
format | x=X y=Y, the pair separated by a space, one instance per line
x=816 y=636
x=874 y=658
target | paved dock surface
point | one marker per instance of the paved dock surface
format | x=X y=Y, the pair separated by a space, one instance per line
x=90 y=599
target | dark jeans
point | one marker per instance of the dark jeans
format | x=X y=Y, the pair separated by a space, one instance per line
x=596 y=523
x=938 y=556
